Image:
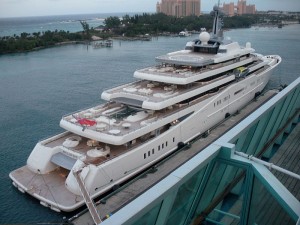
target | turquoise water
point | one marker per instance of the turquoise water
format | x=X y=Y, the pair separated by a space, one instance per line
x=11 y=26
x=37 y=88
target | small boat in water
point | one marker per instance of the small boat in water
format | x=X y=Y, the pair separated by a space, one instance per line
x=184 y=34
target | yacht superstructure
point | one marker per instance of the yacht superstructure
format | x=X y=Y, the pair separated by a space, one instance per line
x=187 y=93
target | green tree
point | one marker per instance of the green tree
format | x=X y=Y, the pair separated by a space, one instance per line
x=86 y=29
x=112 y=22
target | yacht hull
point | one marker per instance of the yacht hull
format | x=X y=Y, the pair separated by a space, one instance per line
x=202 y=116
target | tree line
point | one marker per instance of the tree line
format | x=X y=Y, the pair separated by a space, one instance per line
x=155 y=24
x=130 y=26
x=158 y=23
x=28 y=42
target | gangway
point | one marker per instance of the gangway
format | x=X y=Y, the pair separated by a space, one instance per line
x=88 y=201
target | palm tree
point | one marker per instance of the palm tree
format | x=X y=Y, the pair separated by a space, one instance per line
x=86 y=29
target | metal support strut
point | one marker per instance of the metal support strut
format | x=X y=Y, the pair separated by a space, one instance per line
x=88 y=201
x=269 y=165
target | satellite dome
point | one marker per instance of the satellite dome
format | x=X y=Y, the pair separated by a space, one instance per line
x=204 y=37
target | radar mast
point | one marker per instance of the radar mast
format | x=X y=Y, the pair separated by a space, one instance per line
x=217 y=32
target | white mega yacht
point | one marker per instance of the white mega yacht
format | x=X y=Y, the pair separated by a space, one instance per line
x=183 y=96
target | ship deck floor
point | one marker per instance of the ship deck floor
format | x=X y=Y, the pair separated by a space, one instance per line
x=129 y=192
x=287 y=157
x=50 y=186
x=269 y=212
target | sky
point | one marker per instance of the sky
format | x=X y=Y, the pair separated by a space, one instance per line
x=20 y=8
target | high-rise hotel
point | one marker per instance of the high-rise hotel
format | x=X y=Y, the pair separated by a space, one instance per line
x=241 y=8
x=179 y=8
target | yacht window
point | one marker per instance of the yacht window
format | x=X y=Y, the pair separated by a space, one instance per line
x=184 y=117
x=158 y=147
x=166 y=143
x=148 y=153
x=162 y=145
x=152 y=150
x=173 y=139
x=145 y=155
x=235 y=93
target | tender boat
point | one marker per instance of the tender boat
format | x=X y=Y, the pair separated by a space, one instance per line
x=184 y=34
x=183 y=96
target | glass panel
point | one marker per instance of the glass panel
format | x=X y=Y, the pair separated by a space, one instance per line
x=264 y=209
x=228 y=211
x=185 y=198
x=150 y=217
x=222 y=197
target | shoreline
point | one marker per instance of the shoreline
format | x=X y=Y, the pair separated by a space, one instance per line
x=116 y=37
x=64 y=43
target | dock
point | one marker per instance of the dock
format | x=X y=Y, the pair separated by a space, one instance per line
x=125 y=194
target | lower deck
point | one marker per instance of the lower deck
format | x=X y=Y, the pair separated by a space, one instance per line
x=50 y=186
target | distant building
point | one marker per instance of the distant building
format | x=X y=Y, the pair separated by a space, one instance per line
x=239 y=9
x=179 y=8
x=229 y=9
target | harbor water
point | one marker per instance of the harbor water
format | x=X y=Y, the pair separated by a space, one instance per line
x=38 y=88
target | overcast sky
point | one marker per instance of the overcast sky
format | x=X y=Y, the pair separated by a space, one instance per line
x=19 y=8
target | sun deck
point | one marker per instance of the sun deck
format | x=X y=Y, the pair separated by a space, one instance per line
x=117 y=124
x=183 y=75
x=157 y=96
x=187 y=57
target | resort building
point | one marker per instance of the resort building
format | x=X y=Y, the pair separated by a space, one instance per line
x=241 y=8
x=179 y=8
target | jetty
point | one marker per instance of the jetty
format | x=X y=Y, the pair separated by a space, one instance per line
x=102 y=43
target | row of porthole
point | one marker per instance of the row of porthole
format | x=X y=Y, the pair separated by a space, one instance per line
x=158 y=148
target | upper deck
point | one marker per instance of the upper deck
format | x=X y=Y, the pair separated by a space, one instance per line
x=182 y=75
x=199 y=53
x=156 y=95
